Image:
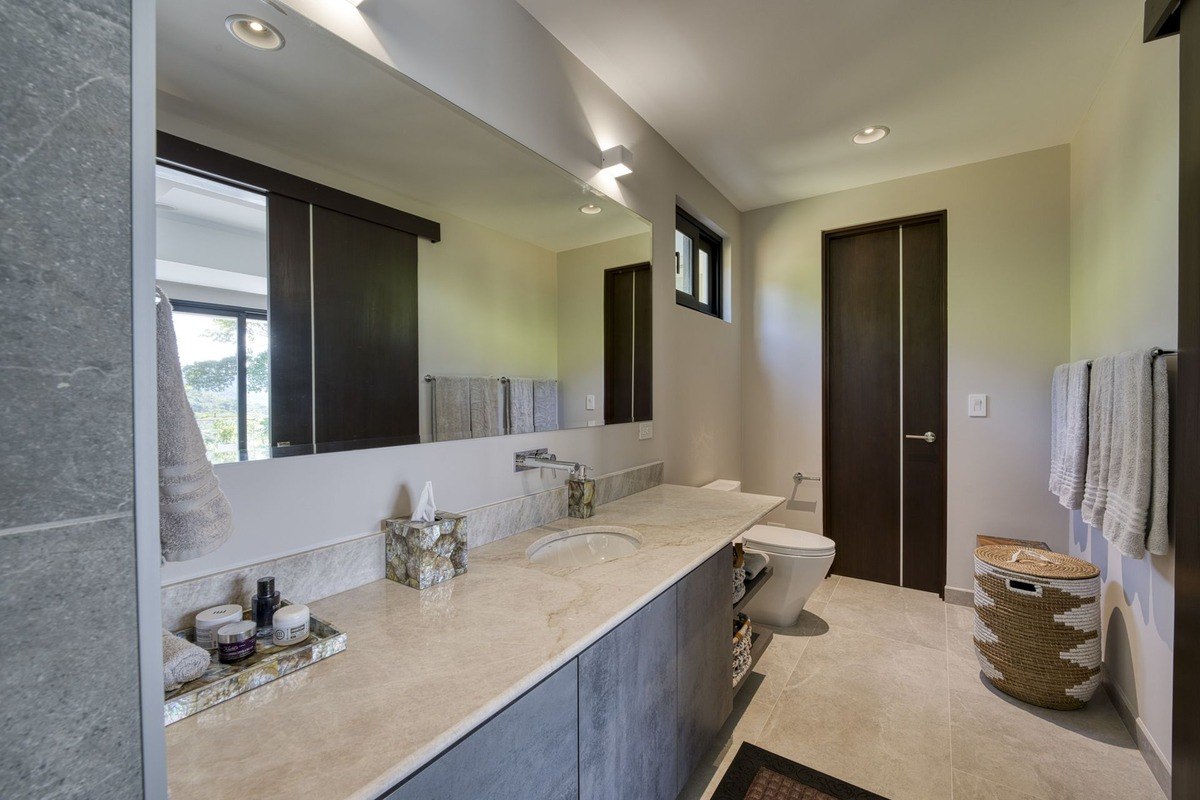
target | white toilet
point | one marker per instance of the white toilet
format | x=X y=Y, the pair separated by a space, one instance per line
x=800 y=559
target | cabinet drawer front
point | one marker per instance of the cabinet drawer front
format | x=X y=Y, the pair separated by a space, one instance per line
x=705 y=658
x=529 y=750
x=628 y=703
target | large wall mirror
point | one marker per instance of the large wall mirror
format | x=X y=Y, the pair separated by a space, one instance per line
x=353 y=262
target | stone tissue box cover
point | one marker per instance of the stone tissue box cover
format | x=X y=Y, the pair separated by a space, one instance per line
x=421 y=554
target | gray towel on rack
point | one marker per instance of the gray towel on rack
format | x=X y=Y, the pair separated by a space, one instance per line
x=487 y=407
x=1126 y=489
x=451 y=410
x=545 y=405
x=194 y=514
x=1069 y=433
x=182 y=661
x=520 y=405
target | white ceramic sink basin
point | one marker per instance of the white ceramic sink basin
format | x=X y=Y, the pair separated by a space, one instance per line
x=580 y=547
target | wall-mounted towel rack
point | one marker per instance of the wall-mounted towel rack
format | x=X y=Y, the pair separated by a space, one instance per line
x=1155 y=353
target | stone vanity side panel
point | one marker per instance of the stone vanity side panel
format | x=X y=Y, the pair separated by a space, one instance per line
x=309 y=576
x=69 y=673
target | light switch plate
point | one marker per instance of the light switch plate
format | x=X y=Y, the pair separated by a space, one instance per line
x=645 y=430
x=590 y=402
x=977 y=405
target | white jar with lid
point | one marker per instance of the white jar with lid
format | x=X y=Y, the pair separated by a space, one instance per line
x=291 y=625
x=208 y=620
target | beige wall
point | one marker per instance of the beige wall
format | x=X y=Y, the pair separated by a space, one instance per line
x=581 y=336
x=1124 y=264
x=488 y=305
x=1008 y=328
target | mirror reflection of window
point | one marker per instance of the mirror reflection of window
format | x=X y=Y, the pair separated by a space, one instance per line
x=212 y=263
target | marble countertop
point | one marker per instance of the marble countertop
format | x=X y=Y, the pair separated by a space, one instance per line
x=423 y=668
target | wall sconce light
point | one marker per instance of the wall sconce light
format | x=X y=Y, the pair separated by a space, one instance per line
x=616 y=161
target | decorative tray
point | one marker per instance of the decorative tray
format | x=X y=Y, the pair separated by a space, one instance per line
x=223 y=681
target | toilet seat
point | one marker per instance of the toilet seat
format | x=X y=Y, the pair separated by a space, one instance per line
x=788 y=542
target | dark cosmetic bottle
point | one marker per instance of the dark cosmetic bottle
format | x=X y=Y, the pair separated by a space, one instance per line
x=263 y=606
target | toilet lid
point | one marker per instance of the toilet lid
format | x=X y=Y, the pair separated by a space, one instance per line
x=787 y=541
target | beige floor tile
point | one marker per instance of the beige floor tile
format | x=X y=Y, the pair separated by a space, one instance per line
x=973 y=787
x=889 y=611
x=823 y=591
x=868 y=710
x=1064 y=755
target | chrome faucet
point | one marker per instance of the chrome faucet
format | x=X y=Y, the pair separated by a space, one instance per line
x=542 y=458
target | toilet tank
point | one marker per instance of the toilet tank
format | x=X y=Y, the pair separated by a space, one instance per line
x=724 y=486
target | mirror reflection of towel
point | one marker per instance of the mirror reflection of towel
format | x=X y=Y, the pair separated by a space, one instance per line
x=545 y=405
x=520 y=405
x=487 y=407
x=194 y=514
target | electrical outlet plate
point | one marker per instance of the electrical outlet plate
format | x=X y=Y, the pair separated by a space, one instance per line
x=645 y=430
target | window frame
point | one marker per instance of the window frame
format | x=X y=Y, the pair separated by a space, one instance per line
x=241 y=314
x=703 y=239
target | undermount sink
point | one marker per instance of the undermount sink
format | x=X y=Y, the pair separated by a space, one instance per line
x=580 y=547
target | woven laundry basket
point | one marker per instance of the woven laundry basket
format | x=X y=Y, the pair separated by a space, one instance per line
x=1037 y=624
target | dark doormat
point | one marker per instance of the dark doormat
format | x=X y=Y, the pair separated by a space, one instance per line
x=757 y=774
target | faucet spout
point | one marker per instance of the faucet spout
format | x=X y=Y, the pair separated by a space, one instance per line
x=542 y=459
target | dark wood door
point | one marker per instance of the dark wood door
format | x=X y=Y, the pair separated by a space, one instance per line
x=1185 y=434
x=628 y=355
x=862 y=403
x=885 y=344
x=923 y=405
x=290 y=306
x=365 y=371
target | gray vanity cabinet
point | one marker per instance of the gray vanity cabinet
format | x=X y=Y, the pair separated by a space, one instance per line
x=628 y=705
x=705 y=666
x=529 y=750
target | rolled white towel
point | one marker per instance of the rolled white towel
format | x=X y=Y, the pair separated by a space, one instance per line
x=755 y=563
x=182 y=661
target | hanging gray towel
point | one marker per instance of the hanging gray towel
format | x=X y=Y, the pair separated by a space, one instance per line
x=545 y=405
x=1128 y=497
x=451 y=409
x=1099 y=459
x=520 y=405
x=1069 y=433
x=487 y=407
x=194 y=514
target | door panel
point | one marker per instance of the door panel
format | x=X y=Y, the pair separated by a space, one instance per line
x=862 y=403
x=366 y=379
x=628 y=705
x=924 y=405
x=705 y=666
x=290 y=309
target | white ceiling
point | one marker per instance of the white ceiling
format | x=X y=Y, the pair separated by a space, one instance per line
x=762 y=96
x=323 y=102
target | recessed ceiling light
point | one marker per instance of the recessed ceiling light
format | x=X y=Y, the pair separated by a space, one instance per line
x=254 y=32
x=871 y=135
x=591 y=208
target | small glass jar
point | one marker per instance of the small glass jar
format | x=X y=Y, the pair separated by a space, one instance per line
x=236 y=641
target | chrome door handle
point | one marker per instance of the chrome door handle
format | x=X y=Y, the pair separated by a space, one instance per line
x=928 y=436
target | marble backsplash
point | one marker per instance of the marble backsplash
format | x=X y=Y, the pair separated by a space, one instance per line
x=313 y=574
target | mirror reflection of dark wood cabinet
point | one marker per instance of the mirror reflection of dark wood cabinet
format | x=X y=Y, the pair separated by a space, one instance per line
x=336 y=264
x=333 y=272
x=628 y=350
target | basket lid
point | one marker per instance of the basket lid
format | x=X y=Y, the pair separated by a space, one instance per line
x=1039 y=563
